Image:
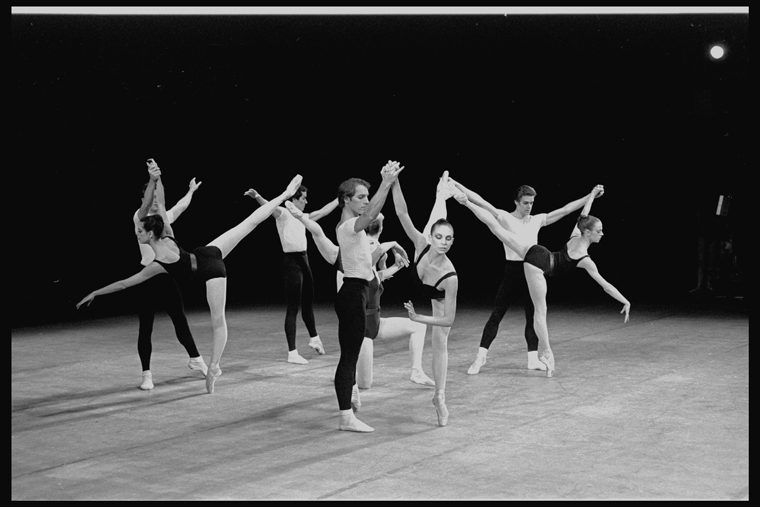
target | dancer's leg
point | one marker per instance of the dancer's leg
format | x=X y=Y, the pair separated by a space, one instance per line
x=364 y=370
x=293 y=278
x=440 y=364
x=307 y=298
x=229 y=240
x=537 y=288
x=216 y=295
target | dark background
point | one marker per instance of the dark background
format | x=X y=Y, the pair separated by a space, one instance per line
x=559 y=102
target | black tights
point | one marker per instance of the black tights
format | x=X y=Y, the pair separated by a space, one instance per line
x=161 y=292
x=299 y=292
x=513 y=286
x=349 y=306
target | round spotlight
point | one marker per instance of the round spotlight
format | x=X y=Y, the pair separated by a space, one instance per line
x=717 y=52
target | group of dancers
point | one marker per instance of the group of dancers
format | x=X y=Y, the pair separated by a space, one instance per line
x=360 y=259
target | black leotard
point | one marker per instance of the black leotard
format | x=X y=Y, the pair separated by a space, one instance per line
x=429 y=291
x=203 y=263
x=551 y=263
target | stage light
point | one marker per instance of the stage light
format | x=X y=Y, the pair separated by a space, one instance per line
x=717 y=52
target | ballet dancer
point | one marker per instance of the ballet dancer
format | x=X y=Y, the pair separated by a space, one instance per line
x=435 y=278
x=297 y=274
x=357 y=212
x=161 y=291
x=203 y=264
x=540 y=262
x=376 y=326
x=513 y=286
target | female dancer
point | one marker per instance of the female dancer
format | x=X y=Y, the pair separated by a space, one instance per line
x=205 y=264
x=376 y=326
x=357 y=212
x=540 y=262
x=435 y=278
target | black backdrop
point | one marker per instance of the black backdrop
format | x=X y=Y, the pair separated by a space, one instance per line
x=559 y=102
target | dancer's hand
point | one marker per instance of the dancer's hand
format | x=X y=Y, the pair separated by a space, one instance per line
x=295 y=183
x=194 y=186
x=297 y=213
x=626 y=309
x=87 y=300
x=598 y=191
x=251 y=193
x=390 y=171
x=151 y=163
x=399 y=252
x=154 y=173
x=410 y=308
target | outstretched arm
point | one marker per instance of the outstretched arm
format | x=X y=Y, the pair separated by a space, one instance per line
x=573 y=206
x=506 y=237
x=476 y=198
x=259 y=199
x=327 y=248
x=183 y=203
x=590 y=266
x=146 y=273
x=324 y=210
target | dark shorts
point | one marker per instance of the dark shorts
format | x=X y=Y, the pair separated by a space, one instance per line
x=540 y=257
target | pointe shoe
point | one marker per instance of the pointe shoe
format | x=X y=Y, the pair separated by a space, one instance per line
x=212 y=374
x=316 y=344
x=534 y=363
x=476 y=365
x=444 y=187
x=419 y=377
x=147 y=381
x=197 y=363
x=351 y=423
x=440 y=407
x=547 y=357
x=356 y=402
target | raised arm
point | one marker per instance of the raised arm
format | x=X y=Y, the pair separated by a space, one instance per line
x=402 y=212
x=573 y=206
x=590 y=266
x=442 y=193
x=146 y=273
x=597 y=192
x=390 y=174
x=259 y=199
x=183 y=203
x=506 y=237
x=327 y=248
x=155 y=189
x=324 y=210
